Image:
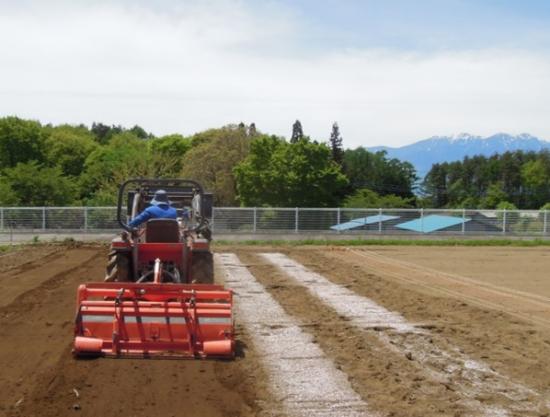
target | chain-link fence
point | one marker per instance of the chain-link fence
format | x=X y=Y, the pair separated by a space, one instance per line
x=52 y=219
x=235 y=220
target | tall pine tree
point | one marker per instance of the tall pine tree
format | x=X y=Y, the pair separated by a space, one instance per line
x=336 y=144
x=297 y=132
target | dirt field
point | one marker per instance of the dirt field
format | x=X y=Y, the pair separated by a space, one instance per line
x=395 y=331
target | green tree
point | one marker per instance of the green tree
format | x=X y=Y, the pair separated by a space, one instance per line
x=169 y=151
x=212 y=158
x=365 y=198
x=510 y=176
x=522 y=178
x=495 y=196
x=20 y=141
x=68 y=147
x=297 y=132
x=434 y=186
x=506 y=205
x=105 y=196
x=125 y=156
x=512 y=218
x=378 y=173
x=140 y=132
x=35 y=185
x=535 y=176
x=280 y=174
x=210 y=135
x=8 y=197
x=104 y=133
x=469 y=203
x=336 y=144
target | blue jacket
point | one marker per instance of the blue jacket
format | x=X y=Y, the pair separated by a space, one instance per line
x=161 y=211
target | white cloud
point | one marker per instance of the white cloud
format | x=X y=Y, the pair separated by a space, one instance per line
x=186 y=67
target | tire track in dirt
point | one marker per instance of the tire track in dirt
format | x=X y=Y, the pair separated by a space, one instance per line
x=31 y=275
x=483 y=389
x=36 y=326
x=39 y=372
x=303 y=380
x=22 y=258
x=530 y=307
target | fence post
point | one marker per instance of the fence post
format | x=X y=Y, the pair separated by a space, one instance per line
x=254 y=225
x=2 y=218
x=43 y=218
x=504 y=222
x=380 y=220
x=463 y=221
x=544 y=231
x=422 y=219
x=212 y=220
x=85 y=219
x=338 y=215
x=296 y=220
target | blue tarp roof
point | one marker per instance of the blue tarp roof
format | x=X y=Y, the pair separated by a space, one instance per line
x=432 y=223
x=352 y=224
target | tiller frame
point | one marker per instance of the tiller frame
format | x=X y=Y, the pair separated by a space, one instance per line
x=154 y=320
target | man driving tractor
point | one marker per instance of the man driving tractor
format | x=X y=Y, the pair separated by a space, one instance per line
x=159 y=209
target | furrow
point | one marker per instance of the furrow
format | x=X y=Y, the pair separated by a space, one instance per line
x=361 y=311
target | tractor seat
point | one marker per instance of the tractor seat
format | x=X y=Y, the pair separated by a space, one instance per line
x=162 y=231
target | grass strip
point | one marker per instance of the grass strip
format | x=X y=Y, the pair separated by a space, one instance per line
x=388 y=242
x=6 y=248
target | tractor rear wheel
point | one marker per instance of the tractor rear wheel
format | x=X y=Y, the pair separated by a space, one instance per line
x=202 y=268
x=117 y=267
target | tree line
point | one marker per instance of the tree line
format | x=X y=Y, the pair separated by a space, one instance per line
x=510 y=180
x=63 y=165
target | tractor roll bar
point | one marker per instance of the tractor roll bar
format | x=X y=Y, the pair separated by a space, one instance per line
x=155 y=184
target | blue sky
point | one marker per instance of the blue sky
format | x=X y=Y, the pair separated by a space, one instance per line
x=425 y=25
x=390 y=72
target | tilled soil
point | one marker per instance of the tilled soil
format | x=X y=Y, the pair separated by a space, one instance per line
x=467 y=316
x=431 y=372
x=516 y=268
x=491 y=333
x=40 y=377
x=21 y=257
x=388 y=382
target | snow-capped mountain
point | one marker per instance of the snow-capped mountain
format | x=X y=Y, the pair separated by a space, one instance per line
x=424 y=153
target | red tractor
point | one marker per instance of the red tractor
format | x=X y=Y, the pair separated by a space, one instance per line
x=158 y=298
